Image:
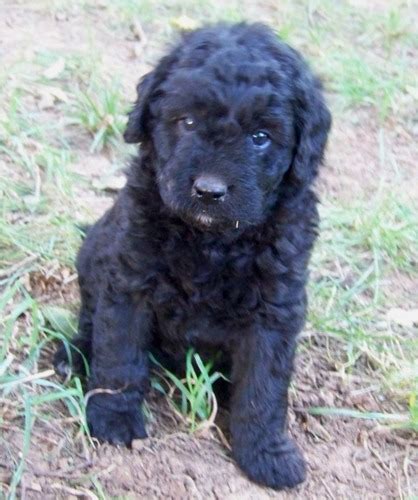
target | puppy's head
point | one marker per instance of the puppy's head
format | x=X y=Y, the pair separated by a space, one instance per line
x=237 y=124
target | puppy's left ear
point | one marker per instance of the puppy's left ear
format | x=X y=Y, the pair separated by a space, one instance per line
x=313 y=122
x=137 y=122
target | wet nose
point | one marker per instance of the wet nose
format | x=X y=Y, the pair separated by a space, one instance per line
x=209 y=189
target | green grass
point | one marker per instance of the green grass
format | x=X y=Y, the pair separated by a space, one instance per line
x=363 y=56
x=193 y=396
x=360 y=247
x=359 y=82
x=27 y=390
x=101 y=111
x=38 y=237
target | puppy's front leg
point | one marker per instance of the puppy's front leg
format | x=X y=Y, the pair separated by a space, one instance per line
x=119 y=370
x=261 y=375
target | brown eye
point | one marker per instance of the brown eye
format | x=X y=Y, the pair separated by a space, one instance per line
x=188 y=123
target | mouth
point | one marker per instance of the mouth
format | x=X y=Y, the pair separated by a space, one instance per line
x=211 y=222
x=204 y=219
x=207 y=222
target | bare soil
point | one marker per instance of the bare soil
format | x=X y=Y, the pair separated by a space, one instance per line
x=347 y=458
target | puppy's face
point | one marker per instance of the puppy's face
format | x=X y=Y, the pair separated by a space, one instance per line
x=221 y=115
x=223 y=145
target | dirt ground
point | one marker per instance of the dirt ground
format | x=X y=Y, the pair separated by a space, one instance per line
x=348 y=458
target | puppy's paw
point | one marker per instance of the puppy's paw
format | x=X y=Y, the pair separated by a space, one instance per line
x=115 y=427
x=277 y=463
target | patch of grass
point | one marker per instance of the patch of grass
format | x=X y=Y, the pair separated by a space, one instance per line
x=27 y=141
x=34 y=182
x=360 y=54
x=395 y=27
x=359 y=81
x=386 y=227
x=101 y=111
x=37 y=236
x=49 y=238
x=28 y=393
x=360 y=246
x=193 y=397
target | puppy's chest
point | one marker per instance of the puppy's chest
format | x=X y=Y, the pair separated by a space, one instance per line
x=210 y=289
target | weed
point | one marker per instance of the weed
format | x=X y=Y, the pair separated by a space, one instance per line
x=192 y=396
x=101 y=112
x=394 y=27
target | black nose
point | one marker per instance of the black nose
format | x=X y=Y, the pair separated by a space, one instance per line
x=209 y=188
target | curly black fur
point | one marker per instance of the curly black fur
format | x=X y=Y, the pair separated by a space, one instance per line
x=166 y=268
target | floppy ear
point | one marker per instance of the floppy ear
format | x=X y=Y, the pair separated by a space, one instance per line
x=137 y=122
x=147 y=90
x=313 y=121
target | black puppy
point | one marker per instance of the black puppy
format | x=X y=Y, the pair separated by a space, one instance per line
x=208 y=243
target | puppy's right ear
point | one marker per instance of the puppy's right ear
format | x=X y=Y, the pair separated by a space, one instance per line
x=136 y=128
